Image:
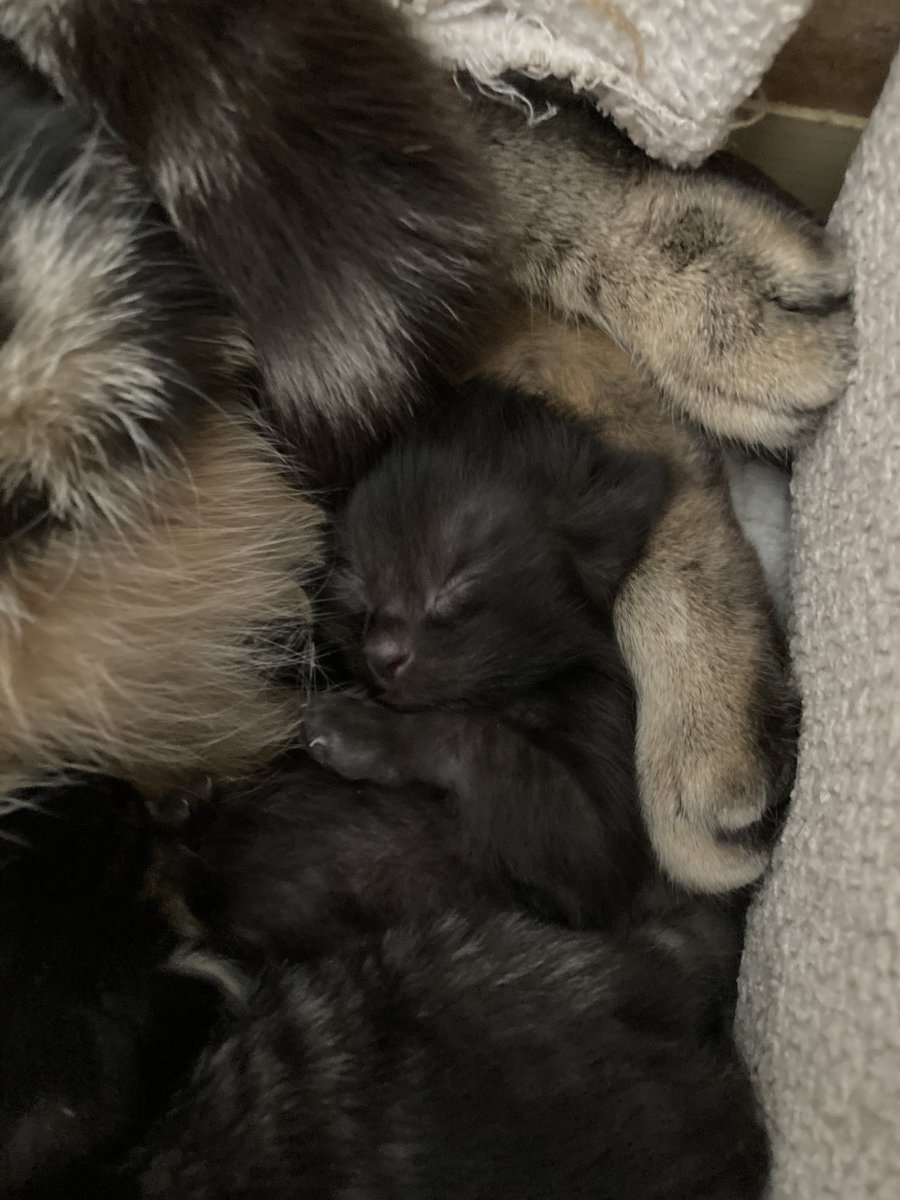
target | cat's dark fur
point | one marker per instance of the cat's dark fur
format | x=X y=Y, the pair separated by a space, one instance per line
x=93 y=1031
x=480 y=1056
x=478 y=563
x=304 y=861
x=325 y=130
x=466 y=1055
x=491 y=1060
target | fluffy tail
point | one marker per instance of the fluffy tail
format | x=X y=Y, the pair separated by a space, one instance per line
x=309 y=153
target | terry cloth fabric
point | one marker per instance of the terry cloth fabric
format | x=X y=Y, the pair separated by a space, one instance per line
x=669 y=72
x=820 y=989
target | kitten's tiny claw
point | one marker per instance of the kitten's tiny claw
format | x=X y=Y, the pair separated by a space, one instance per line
x=356 y=739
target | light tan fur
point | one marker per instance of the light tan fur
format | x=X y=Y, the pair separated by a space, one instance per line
x=146 y=648
x=733 y=304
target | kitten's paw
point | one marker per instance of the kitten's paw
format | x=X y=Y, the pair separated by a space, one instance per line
x=750 y=332
x=357 y=739
x=176 y=808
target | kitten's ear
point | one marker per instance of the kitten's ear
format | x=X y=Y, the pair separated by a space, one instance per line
x=609 y=514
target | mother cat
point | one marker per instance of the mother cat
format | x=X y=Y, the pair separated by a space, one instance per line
x=332 y=240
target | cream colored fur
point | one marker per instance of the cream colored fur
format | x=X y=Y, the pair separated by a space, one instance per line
x=145 y=646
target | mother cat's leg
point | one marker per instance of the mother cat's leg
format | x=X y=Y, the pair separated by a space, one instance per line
x=734 y=304
x=716 y=708
x=717 y=712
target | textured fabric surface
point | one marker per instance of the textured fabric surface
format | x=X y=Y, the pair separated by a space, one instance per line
x=820 y=1004
x=669 y=72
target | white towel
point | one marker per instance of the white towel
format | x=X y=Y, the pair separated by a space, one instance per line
x=669 y=72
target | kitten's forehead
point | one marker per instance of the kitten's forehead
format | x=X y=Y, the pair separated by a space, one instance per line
x=477 y=518
x=423 y=520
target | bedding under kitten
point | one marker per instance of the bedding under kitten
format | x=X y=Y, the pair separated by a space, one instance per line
x=761 y=494
x=477 y=567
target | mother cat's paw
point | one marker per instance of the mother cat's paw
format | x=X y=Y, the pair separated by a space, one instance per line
x=357 y=739
x=744 y=318
x=708 y=812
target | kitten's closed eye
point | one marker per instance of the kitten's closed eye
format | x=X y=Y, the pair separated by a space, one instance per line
x=452 y=599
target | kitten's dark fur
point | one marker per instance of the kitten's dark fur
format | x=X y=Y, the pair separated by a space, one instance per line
x=480 y=1056
x=474 y=1057
x=478 y=565
x=305 y=861
x=491 y=1060
x=485 y=549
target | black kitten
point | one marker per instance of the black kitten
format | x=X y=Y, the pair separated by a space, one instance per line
x=478 y=565
x=303 y=861
x=484 y=1060
x=474 y=1057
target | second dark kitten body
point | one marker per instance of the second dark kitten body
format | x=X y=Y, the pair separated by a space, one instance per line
x=473 y=1056
x=94 y=1027
x=485 y=1060
x=478 y=564
x=304 y=861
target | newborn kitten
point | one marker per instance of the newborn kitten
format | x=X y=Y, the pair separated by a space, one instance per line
x=488 y=1060
x=476 y=1056
x=478 y=563
x=304 y=861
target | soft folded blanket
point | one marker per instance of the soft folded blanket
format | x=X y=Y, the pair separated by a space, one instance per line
x=820 y=989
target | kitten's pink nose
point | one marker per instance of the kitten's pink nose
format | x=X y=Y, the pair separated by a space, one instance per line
x=387 y=653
